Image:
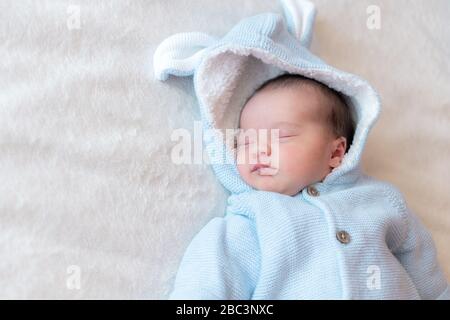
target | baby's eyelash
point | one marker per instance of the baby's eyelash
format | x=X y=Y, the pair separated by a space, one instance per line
x=287 y=135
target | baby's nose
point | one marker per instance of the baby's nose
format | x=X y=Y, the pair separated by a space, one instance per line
x=264 y=153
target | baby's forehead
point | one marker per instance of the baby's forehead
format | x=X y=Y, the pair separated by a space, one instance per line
x=284 y=106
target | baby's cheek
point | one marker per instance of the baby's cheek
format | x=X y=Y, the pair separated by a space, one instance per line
x=295 y=163
x=289 y=164
x=244 y=173
x=288 y=155
x=246 y=155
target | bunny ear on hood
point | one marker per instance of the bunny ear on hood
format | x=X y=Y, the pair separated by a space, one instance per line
x=228 y=70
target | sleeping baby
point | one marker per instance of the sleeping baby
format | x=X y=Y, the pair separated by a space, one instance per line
x=295 y=237
x=314 y=129
x=302 y=220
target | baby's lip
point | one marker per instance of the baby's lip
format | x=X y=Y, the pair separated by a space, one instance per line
x=259 y=166
x=264 y=169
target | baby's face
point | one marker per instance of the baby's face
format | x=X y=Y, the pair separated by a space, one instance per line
x=307 y=149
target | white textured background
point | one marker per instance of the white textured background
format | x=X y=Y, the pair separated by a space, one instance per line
x=85 y=171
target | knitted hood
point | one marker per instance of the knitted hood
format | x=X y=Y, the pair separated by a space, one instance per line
x=227 y=70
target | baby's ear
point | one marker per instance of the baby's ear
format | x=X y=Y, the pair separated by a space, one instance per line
x=338 y=151
x=180 y=54
x=300 y=15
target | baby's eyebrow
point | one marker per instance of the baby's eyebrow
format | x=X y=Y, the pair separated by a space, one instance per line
x=282 y=124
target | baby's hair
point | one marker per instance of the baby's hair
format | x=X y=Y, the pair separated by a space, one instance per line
x=340 y=116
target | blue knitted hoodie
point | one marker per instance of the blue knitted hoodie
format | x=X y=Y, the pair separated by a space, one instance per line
x=348 y=237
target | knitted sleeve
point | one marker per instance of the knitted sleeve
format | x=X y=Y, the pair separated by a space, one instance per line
x=418 y=256
x=221 y=262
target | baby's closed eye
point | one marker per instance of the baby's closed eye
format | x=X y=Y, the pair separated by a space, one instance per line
x=287 y=134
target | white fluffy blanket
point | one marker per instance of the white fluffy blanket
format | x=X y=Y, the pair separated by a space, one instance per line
x=91 y=205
